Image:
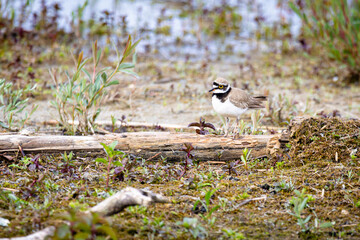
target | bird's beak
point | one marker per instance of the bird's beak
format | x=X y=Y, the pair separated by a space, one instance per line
x=213 y=89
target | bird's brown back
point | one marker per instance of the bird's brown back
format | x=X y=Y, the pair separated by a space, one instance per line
x=242 y=99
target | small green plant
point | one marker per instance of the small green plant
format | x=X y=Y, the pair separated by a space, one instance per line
x=279 y=165
x=193 y=226
x=13 y=202
x=113 y=124
x=245 y=157
x=51 y=186
x=111 y=154
x=12 y=104
x=241 y=127
x=223 y=203
x=84 y=226
x=154 y=225
x=206 y=204
x=24 y=163
x=197 y=182
x=354 y=151
x=232 y=234
x=31 y=164
x=314 y=138
x=80 y=97
x=335 y=25
x=256 y=118
x=284 y=186
x=350 y=175
x=67 y=166
x=243 y=196
x=137 y=210
x=299 y=203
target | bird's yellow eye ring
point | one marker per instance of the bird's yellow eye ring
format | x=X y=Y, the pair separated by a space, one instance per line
x=221 y=86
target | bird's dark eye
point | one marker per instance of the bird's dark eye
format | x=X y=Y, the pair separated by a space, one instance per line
x=221 y=86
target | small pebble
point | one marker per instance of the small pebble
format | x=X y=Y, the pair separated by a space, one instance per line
x=4 y=222
x=344 y=212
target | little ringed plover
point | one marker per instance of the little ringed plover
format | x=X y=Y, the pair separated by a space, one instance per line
x=232 y=102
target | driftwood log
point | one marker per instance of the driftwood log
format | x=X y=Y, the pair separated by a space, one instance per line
x=144 y=144
x=110 y=206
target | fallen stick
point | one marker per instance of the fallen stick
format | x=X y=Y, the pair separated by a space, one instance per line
x=132 y=125
x=110 y=206
x=263 y=197
x=142 y=144
x=153 y=156
x=125 y=198
x=45 y=233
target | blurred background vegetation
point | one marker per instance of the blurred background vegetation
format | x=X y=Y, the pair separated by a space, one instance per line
x=39 y=32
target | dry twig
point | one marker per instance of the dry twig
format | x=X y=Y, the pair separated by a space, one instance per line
x=110 y=206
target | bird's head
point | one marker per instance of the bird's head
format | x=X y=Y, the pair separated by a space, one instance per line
x=220 y=85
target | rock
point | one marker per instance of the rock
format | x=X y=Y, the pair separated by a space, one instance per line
x=4 y=222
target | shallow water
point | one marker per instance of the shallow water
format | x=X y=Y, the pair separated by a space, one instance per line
x=142 y=20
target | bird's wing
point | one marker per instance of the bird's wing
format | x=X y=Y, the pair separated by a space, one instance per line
x=242 y=99
x=239 y=98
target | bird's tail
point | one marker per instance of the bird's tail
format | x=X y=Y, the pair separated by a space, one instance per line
x=257 y=101
x=260 y=97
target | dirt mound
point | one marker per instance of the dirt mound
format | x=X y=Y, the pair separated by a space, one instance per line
x=329 y=139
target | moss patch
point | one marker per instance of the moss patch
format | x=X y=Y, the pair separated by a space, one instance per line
x=329 y=139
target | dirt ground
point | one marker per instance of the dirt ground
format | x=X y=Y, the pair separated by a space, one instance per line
x=177 y=92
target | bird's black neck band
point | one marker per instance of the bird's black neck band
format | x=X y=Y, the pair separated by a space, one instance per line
x=222 y=95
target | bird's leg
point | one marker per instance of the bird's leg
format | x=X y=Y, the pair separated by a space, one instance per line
x=226 y=126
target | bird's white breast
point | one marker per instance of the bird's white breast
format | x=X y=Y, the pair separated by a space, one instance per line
x=226 y=109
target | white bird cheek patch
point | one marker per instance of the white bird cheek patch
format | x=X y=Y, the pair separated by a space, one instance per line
x=219 y=91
